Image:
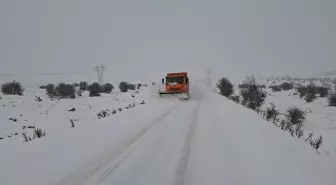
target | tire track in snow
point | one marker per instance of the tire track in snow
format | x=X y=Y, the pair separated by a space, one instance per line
x=98 y=170
x=157 y=159
x=182 y=167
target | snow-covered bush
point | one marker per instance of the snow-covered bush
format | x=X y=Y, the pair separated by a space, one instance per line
x=131 y=86
x=123 y=86
x=225 y=87
x=139 y=85
x=107 y=88
x=310 y=97
x=323 y=91
x=38 y=133
x=310 y=89
x=271 y=112
x=12 y=88
x=241 y=86
x=286 y=86
x=275 y=88
x=50 y=89
x=72 y=122
x=295 y=115
x=95 y=89
x=83 y=85
x=235 y=98
x=75 y=85
x=302 y=91
x=26 y=138
x=317 y=143
x=253 y=96
x=65 y=91
x=310 y=92
x=332 y=100
x=105 y=113
x=298 y=130
x=283 y=124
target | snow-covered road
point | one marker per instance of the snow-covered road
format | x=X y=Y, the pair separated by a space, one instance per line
x=207 y=140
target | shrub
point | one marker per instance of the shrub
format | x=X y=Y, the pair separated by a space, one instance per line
x=235 y=98
x=225 y=87
x=38 y=133
x=283 y=124
x=123 y=86
x=271 y=112
x=310 y=136
x=83 y=85
x=139 y=85
x=253 y=95
x=131 y=86
x=103 y=114
x=107 y=88
x=50 y=89
x=275 y=88
x=317 y=143
x=26 y=138
x=242 y=86
x=290 y=128
x=298 y=130
x=286 y=86
x=302 y=91
x=42 y=87
x=65 y=91
x=332 y=100
x=295 y=115
x=95 y=89
x=310 y=89
x=323 y=91
x=12 y=88
x=75 y=85
x=72 y=122
x=310 y=97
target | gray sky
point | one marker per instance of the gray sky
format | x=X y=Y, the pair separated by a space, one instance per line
x=233 y=37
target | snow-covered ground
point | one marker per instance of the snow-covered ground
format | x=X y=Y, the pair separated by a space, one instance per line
x=54 y=116
x=320 y=118
x=206 y=140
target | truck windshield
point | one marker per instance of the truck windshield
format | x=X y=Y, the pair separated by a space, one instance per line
x=175 y=79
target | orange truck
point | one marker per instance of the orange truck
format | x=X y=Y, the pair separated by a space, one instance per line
x=176 y=84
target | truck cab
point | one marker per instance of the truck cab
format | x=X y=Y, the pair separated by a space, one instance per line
x=176 y=83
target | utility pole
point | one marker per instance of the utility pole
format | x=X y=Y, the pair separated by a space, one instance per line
x=100 y=71
x=208 y=73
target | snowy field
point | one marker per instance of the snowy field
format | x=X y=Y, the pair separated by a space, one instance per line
x=20 y=112
x=320 y=118
x=206 y=140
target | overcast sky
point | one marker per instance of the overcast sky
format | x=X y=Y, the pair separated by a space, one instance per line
x=232 y=37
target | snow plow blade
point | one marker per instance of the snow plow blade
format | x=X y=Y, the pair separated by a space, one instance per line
x=179 y=95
